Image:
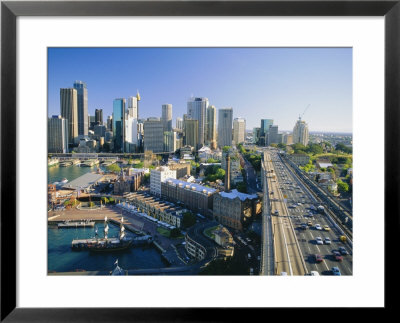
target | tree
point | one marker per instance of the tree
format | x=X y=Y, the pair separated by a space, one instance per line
x=225 y=149
x=188 y=220
x=175 y=232
x=342 y=147
x=343 y=187
x=282 y=146
x=241 y=187
x=114 y=168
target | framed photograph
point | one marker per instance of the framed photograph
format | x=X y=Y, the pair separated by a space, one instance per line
x=197 y=150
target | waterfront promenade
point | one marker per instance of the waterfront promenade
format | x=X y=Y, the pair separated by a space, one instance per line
x=171 y=249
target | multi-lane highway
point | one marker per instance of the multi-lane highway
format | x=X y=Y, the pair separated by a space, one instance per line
x=309 y=225
x=287 y=254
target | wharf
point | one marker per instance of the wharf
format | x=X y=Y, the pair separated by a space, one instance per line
x=80 y=224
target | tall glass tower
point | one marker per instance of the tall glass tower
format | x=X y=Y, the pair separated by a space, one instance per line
x=118 y=125
x=225 y=118
x=83 y=125
x=196 y=110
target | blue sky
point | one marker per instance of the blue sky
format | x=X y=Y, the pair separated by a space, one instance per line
x=258 y=83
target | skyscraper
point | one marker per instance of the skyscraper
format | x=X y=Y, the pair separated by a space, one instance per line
x=300 y=132
x=98 y=117
x=256 y=135
x=191 y=133
x=179 y=123
x=153 y=137
x=273 y=135
x=83 y=126
x=118 y=124
x=265 y=124
x=239 y=130
x=69 y=111
x=211 y=125
x=196 y=110
x=133 y=107
x=166 y=116
x=57 y=137
x=109 y=123
x=225 y=116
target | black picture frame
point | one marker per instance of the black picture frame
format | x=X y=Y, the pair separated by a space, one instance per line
x=10 y=10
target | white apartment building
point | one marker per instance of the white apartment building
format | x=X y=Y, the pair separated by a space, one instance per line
x=159 y=175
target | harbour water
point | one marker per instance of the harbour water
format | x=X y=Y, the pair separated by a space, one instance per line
x=57 y=173
x=62 y=259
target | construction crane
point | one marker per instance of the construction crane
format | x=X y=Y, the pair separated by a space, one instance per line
x=300 y=116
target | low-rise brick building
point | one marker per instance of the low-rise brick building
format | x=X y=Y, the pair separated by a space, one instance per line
x=233 y=209
x=195 y=197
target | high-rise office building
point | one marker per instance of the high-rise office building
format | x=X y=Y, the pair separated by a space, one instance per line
x=225 y=116
x=179 y=123
x=196 y=110
x=69 y=111
x=133 y=107
x=264 y=129
x=153 y=137
x=300 y=132
x=131 y=137
x=239 y=130
x=166 y=116
x=170 y=141
x=273 y=135
x=118 y=124
x=256 y=135
x=99 y=131
x=191 y=133
x=98 y=117
x=57 y=136
x=211 y=125
x=109 y=123
x=83 y=126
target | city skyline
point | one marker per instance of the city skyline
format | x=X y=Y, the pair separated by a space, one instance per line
x=258 y=83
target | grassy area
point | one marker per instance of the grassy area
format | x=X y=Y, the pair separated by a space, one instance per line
x=164 y=232
x=167 y=233
x=209 y=232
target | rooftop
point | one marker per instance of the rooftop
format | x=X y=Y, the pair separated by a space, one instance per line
x=191 y=186
x=83 y=181
x=235 y=193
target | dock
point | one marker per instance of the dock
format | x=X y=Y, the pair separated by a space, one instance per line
x=80 y=224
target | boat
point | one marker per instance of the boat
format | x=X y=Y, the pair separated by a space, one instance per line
x=118 y=271
x=76 y=224
x=104 y=244
x=61 y=183
x=52 y=162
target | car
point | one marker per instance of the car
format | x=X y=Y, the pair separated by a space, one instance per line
x=337 y=255
x=299 y=203
x=283 y=273
x=336 y=271
x=327 y=240
x=318 y=240
x=304 y=226
x=318 y=227
x=318 y=258
x=343 y=251
x=326 y=228
x=309 y=223
x=314 y=273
